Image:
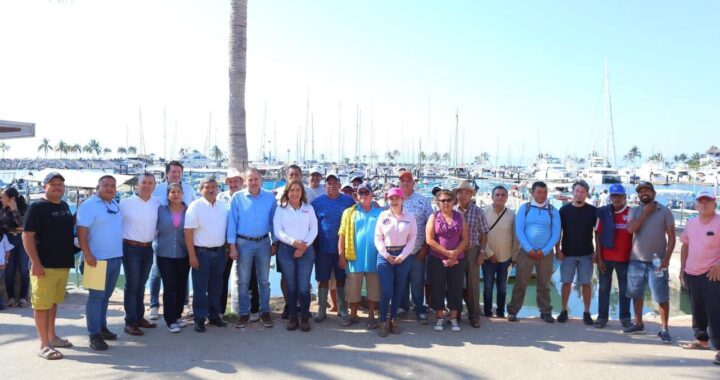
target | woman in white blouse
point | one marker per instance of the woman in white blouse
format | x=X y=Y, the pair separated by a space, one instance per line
x=295 y=225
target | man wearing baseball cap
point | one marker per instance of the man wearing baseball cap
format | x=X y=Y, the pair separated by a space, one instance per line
x=420 y=207
x=653 y=229
x=700 y=272
x=48 y=239
x=613 y=244
x=314 y=188
x=328 y=210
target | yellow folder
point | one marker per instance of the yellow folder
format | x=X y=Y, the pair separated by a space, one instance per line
x=94 y=278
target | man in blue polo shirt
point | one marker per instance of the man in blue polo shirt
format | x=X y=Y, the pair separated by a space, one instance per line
x=248 y=233
x=99 y=226
x=329 y=209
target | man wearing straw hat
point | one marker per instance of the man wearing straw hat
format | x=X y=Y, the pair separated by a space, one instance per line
x=475 y=251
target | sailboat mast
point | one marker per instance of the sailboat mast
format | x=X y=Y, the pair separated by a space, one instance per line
x=609 y=129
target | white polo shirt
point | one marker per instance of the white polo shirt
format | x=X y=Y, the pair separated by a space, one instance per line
x=139 y=218
x=209 y=222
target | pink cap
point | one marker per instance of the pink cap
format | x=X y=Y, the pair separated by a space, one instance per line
x=707 y=194
x=395 y=192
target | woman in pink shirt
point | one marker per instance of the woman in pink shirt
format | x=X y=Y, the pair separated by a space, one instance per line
x=447 y=235
x=700 y=272
x=395 y=235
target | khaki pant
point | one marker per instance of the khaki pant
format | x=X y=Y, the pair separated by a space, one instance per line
x=523 y=271
x=472 y=282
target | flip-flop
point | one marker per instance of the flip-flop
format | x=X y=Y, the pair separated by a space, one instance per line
x=61 y=343
x=694 y=345
x=50 y=353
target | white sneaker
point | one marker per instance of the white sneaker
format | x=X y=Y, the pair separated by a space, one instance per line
x=439 y=325
x=454 y=325
x=188 y=311
x=174 y=328
x=180 y=323
x=153 y=314
x=254 y=317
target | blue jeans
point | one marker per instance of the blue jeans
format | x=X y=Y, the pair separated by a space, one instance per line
x=297 y=274
x=97 y=303
x=416 y=278
x=258 y=252
x=18 y=262
x=393 y=282
x=494 y=274
x=2 y=272
x=136 y=262
x=605 y=285
x=207 y=283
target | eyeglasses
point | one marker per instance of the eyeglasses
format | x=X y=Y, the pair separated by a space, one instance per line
x=109 y=211
x=446 y=200
x=363 y=193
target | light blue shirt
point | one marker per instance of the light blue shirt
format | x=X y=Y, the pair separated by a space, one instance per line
x=365 y=250
x=539 y=229
x=104 y=224
x=250 y=215
x=161 y=193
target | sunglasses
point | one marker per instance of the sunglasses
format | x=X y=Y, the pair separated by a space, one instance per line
x=445 y=200
x=109 y=211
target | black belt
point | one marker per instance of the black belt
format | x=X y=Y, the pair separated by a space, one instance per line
x=395 y=249
x=259 y=238
x=210 y=248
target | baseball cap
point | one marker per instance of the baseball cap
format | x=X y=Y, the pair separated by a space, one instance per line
x=331 y=175
x=356 y=178
x=435 y=190
x=644 y=184
x=347 y=186
x=705 y=194
x=395 y=192
x=315 y=170
x=406 y=174
x=52 y=175
x=363 y=187
x=617 y=189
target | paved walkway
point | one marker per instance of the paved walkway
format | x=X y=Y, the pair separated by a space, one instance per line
x=531 y=349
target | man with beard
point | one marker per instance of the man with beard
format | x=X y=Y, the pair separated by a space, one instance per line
x=653 y=227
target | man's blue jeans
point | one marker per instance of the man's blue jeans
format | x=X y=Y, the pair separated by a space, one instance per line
x=393 y=282
x=136 y=262
x=248 y=252
x=297 y=274
x=605 y=282
x=494 y=274
x=97 y=303
x=207 y=282
x=416 y=279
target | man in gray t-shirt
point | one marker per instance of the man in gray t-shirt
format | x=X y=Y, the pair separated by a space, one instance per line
x=653 y=229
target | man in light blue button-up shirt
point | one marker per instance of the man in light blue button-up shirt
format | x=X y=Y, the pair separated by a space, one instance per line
x=248 y=232
x=100 y=235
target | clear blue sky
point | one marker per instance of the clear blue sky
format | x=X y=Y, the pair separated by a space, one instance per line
x=525 y=76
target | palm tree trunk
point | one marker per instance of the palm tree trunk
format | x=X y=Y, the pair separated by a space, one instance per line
x=237 y=152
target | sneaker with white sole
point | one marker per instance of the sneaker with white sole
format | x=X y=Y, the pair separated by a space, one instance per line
x=422 y=319
x=174 y=328
x=180 y=323
x=439 y=325
x=153 y=314
x=189 y=312
x=454 y=326
x=254 y=317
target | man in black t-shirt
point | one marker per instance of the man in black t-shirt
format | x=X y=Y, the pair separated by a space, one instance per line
x=575 y=249
x=48 y=239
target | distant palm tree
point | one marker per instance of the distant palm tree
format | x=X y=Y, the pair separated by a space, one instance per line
x=95 y=147
x=45 y=146
x=446 y=158
x=217 y=154
x=87 y=149
x=422 y=157
x=131 y=150
x=76 y=148
x=633 y=154
x=107 y=151
x=4 y=148
x=62 y=148
x=390 y=157
x=121 y=151
x=322 y=157
x=435 y=157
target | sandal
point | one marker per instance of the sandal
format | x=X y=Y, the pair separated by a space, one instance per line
x=12 y=302
x=50 y=353
x=60 y=343
x=717 y=359
x=23 y=303
x=694 y=345
x=372 y=324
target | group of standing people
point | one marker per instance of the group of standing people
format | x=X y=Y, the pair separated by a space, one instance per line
x=405 y=253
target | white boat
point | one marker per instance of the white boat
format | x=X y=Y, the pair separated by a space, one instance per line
x=549 y=168
x=600 y=172
x=652 y=171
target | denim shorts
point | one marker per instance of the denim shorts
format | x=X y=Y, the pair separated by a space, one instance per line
x=583 y=265
x=327 y=264
x=640 y=272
